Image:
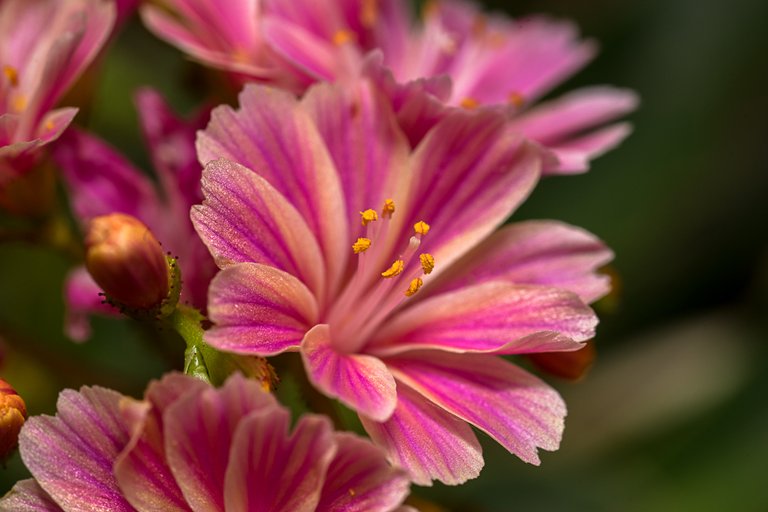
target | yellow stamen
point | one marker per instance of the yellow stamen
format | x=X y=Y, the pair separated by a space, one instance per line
x=352 y=492
x=516 y=99
x=369 y=216
x=427 y=262
x=19 y=103
x=395 y=270
x=369 y=13
x=49 y=125
x=421 y=228
x=388 y=209
x=341 y=37
x=361 y=245
x=469 y=103
x=413 y=287
x=12 y=74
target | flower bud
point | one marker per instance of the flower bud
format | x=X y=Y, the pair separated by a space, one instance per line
x=13 y=412
x=127 y=262
x=567 y=365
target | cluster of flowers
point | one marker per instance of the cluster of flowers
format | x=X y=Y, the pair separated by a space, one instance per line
x=351 y=209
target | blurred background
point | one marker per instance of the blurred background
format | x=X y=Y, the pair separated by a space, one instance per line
x=673 y=414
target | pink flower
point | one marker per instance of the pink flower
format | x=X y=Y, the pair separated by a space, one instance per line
x=188 y=446
x=101 y=181
x=44 y=47
x=285 y=187
x=456 y=57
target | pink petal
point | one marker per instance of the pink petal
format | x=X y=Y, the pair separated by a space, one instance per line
x=244 y=219
x=359 y=381
x=81 y=294
x=199 y=429
x=54 y=123
x=428 y=442
x=515 y=408
x=271 y=471
x=272 y=135
x=576 y=112
x=360 y=479
x=315 y=57
x=258 y=310
x=493 y=316
x=102 y=181
x=367 y=147
x=71 y=455
x=546 y=253
x=28 y=496
x=141 y=469
x=573 y=156
x=470 y=174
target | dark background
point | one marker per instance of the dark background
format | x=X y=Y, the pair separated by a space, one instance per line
x=673 y=416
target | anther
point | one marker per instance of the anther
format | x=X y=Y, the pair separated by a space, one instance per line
x=421 y=228
x=395 y=270
x=361 y=245
x=413 y=287
x=388 y=209
x=427 y=262
x=469 y=103
x=516 y=99
x=341 y=37
x=12 y=75
x=369 y=216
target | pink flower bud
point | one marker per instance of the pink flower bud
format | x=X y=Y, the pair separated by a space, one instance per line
x=126 y=261
x=13 y=412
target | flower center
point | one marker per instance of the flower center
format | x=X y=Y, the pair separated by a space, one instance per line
x=373 y=293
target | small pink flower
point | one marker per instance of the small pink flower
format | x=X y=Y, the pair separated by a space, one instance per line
x=401 y=316
x=188 y=446
x=44 y=47
x=102 y=181
x=456 y=56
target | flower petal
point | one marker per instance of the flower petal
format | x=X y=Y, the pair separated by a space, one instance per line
x=574 y=155
x=470 y=173
x=428 y=442
x=244 y=219
x=534 y=252
x=28 y=496
x=81 y=294
x=515 y=408
x=493 y=316
x=199 y=429
x=272 y=471
x=361 y=382
x=71 y=455
x=272 y=135
x=360 y=479
x=142 y=471
x=367 y=147
x=102 y=181
x=258 y=310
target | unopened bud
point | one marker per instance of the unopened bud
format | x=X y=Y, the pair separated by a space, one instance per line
x=567 y=365
x=127 y=262
x=13 y=413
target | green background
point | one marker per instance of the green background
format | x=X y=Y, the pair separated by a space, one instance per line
x=673 y=416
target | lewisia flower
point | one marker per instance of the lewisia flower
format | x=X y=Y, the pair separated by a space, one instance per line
x=383 y=266
x=188 y=446
x=101 y=181
x=457 y=56
x=44 y=46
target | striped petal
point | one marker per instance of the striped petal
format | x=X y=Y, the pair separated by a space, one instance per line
x=28 y=496
x=244 y=219
x=272 y=135
x=495 y=316
x=359 y=381
x=272 y=471
x=258 y=310
x=199 y=429
x=428 y=442
x=518 y=410
x=546 y=253
x=359 y=479
x=71 y=455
